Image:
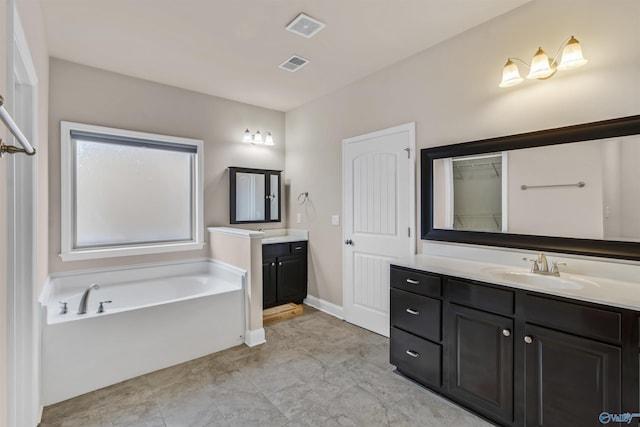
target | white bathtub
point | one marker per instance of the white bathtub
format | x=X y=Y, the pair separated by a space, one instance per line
x=160 y=315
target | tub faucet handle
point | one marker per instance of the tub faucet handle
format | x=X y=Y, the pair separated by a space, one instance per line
x=63 y=307
x=534 y=265
x=101 y=308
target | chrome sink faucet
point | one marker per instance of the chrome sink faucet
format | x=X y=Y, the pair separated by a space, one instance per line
x=541 y=266
x=82 y=308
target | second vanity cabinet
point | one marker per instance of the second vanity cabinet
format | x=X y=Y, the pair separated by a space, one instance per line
x=284 y=273
x=516 y=357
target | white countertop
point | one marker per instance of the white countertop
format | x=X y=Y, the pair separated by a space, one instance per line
x=284 y=235
x=599 y=290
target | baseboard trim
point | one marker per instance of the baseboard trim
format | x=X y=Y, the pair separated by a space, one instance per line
x=254 y=337
x=326 y=306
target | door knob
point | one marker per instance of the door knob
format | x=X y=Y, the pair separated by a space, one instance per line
x=348 y=242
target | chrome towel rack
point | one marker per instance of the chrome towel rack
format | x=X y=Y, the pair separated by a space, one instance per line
x=15 y=130
x=579 y=185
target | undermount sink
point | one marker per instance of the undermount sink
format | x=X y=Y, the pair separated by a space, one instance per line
x=535 y=279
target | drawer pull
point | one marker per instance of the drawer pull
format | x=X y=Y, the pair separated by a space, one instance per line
x=413 y=282
x=506 y=332
x=412 y=311
x=298 y=248
x=413 y=353
x=528 y=339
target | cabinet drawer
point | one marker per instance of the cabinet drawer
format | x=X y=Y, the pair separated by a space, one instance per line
x=481 y=296
x=281 y=249
x=416 y=357
x=417 y=314
x=571 y=317
x=415 y=281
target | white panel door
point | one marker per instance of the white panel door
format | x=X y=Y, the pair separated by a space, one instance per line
x=379 y=220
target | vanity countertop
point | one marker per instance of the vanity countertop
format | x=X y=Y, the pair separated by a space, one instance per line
x=284 y=235
x=617 y=293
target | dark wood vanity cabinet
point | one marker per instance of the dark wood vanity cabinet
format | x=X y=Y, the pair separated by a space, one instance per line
x=516 y=357
x=481 y=361
x=416 y=328
x=284 y=273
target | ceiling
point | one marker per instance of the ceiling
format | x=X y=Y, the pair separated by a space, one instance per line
x=232 y=48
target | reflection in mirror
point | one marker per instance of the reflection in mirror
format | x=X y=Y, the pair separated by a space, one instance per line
x=250 y=197
x=274 y=199
x=254 y=195
x=573 y=190
x=471 y=193
x=587 y=189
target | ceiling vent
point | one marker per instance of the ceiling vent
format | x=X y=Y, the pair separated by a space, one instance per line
x=294 y=63
x=305 y=26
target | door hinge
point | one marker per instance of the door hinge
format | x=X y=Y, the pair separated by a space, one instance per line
x=409 y=232
x=408 y=150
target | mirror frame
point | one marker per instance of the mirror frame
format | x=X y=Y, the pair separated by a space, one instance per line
x=233 y=170
x=583 y=132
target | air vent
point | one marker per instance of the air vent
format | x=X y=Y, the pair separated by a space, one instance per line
x=305 y=26
x=294 y=63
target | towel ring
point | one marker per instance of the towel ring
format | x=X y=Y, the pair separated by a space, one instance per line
x=304 y=196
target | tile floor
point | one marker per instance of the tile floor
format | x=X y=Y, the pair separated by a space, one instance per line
x=314 y=370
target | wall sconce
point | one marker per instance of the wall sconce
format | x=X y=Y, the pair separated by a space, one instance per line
x=542 y=67
x=257 y=139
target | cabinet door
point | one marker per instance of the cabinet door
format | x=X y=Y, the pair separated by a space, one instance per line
x=569 y=380
x=269 y=280
x=481 y=361
x=292 y=280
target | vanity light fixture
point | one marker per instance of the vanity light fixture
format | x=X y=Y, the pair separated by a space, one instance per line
x=256 y=139
x=542 y=67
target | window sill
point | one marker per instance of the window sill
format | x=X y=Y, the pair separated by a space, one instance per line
x=84 y=254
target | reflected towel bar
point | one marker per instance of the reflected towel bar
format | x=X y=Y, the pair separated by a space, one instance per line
x=579 y=184
x=17 y=133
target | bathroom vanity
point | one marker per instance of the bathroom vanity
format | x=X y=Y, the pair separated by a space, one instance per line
x=284 y=267
x=535 y=351
x=284 y=273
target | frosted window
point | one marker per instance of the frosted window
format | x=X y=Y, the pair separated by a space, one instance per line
x=129 y=193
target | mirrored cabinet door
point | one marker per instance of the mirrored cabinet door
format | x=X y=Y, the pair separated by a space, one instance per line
x=254 y=195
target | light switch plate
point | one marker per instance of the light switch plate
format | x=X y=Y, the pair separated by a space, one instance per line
x=335 y=220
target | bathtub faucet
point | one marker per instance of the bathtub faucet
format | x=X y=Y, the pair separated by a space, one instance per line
x=82 y=308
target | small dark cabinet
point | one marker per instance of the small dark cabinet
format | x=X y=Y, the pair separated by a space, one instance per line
x=516 y=357
x=481 y=360
x=284 y=273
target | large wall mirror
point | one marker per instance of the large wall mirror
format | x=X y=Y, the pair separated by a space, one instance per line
x=574 y=190
x=254 y=195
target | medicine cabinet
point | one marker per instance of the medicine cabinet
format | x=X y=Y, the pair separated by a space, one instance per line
x=254 y=195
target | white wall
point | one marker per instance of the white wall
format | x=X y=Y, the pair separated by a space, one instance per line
x=89 y=95
x=451 y=92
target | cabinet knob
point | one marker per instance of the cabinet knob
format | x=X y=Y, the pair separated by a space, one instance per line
x=412 y=353
x=279 y=263
x=528 y=339
x=412 y=311
x=273 y=264
x=506 y=332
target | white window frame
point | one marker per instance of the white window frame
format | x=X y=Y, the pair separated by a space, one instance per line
x=71 y=253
